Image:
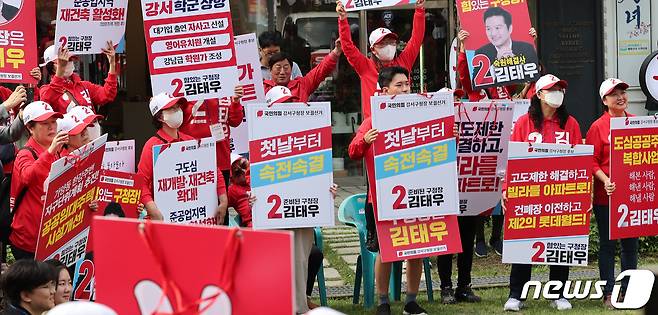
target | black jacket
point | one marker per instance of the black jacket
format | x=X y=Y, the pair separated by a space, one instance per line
x=518 y=48
x=14 y=310
x=8 y=12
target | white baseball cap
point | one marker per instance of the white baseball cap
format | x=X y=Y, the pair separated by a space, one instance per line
x=81 y=308
x=278 y=94
x=71 y=124
x=457 y=92
x=163 y=101
x=377 y=35
x=548 y=81
x=49 y=55
x=235 y=157
x=609 y=85
x=39 y=111
x=84 y=113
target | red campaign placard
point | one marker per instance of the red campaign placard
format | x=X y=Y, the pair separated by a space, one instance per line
x=18 y=54
x=119 y=188
x=634 y=170
x=418 y=238
x=500 y=50
x=197 y=260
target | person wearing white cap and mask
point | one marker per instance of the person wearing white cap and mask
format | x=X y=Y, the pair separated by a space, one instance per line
x=383 y=45
x=92 y=120
x=167 y=119
x=547 y=121
x=615 y=102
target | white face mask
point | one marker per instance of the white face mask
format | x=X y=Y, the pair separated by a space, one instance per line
x=173 y=119
x=68 y=71
x=387 y=53
x=554 y=98
x=94 y=131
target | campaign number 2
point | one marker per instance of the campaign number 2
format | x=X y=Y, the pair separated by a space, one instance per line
x=178 y=86
x=623 y=209
x=482 y=77
x=84 y=290
x=401 y=192
x=276 y=201
x=540 y=247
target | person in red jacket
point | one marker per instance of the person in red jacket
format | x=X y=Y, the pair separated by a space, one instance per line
x=615 y=102
x=167 y=118
x=302 y=87
x=383 y=45
x=394 y=81
x=67 y=89
x=547 y=121
x=31 y=170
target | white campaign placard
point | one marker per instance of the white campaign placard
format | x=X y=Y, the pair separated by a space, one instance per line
x=185 y=181
x=120 y=156
x=85 y=26
x=484 y=132
x=291 y=165
x=251 y=79
x=415 y=156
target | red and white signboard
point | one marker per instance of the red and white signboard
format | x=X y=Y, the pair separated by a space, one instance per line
x=85 y=26
x=418 y=238
x=119 y=194
x=153 y=260
x=354 y=5
x=549 y=195
x=66 y=217
x=251 y=79
x=634 y=170
x=415 y=146
x=190 y=48
x=185 y=181
x=484 y=131
x=120 y=156
x=19 y=35
x=290 y=153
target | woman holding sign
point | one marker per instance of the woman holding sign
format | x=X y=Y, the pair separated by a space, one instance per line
x=615 y=102
x=547 y=121
x=167 y=118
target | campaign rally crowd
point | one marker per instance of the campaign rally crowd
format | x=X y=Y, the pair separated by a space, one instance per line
x=60 y=121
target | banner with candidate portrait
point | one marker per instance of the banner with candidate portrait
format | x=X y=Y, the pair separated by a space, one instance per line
x=190 y=48
x=66 y=217
x=251 y=80
x=291 y=165
x=85 y=26
x=484 y=131
x=549 y=198
x=185 y=181
x=355 y=5
x=19 y=35
x=499 y=51
x=634 y=170
x=415 y=146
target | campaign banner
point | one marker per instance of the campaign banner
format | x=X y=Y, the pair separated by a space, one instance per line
x=418 y=238
x=19 y=35
x=549 y=197
x=499 y=50
x=84 y=280
x=119 y=194
x=66 y=217
x=634 y=170
x=227 y=267
x=291 y=168
x=484 y=131
x=355 y=5
x=85 y=26
x=185 y=181
x=190 y=48
x=415 y=146
x=120 y=156
x=251 y=79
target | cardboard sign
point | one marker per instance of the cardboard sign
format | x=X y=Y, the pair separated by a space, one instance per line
x=484 y=132
x=66 y=218
x=549 y=195
x=355 y=5
x=251 y=79
x=290 y=153
x=634 y=170
x=223 y=263
x=85 y=26
x=120 y=156
x=17 y=53
x=415 y=146
x=190 y=48
x=498 y=54
x=185 y=181
x=418 y=238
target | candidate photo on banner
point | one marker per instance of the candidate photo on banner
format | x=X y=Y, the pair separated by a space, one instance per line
x=500 y=51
